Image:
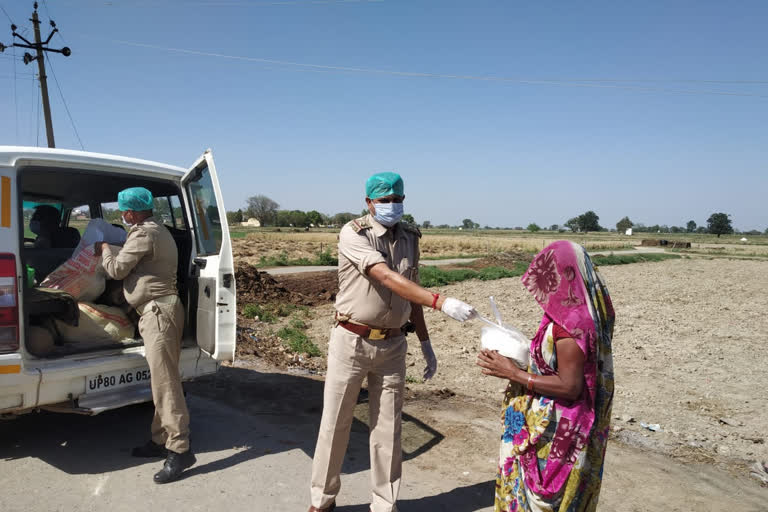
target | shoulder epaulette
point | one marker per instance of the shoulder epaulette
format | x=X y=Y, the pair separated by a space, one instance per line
x=412 y=228
x=361 y=223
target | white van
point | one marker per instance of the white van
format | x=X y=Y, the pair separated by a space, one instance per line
x=90 y=378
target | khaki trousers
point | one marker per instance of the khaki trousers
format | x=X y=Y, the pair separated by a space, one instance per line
x=161 y=326
x=350 y=360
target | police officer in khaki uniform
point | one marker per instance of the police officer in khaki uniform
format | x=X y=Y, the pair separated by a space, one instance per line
x=147 y=265
x=378 y=294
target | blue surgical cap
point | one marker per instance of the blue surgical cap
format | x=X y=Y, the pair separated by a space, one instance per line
x=137 y=199
x=384 y=184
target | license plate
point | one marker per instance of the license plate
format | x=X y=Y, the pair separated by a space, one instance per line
x=116 y=379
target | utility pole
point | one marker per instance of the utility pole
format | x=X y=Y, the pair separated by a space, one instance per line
x=39 y=46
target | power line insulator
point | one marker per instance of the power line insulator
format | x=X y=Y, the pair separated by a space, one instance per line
x=66 y=51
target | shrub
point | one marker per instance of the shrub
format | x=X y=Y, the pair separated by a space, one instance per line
x=297 y=341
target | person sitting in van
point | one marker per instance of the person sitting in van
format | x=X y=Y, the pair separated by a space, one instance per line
x=46 y=224
x=147 y=266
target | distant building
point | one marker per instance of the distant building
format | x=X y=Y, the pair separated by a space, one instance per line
x=628 y=232
x=251 y=223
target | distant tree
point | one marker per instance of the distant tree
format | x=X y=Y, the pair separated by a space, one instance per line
x=691 y=226
x=572 y=224
x=701 y=229
x=408 y=219
x=766 y=231
x=315 y=218
x=677 y=229
x=554 y=227
x=235 y=217
x=467 y=224
x=443 y=226
x=342 y=218
x=623 y=225
x=263 y=209
x=364 y=212
x=588 y=221
x=719 y=224
x=426 y=224
x=752 y=232
x=533 y=227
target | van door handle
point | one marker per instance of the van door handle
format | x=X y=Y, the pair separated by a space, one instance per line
x=200 y=262
x=207 y=291
x=227 y=281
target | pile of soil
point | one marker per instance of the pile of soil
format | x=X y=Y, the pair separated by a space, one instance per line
x=319 y=287
x=254 y=287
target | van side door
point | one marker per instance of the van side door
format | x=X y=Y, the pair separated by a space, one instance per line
x=213 y=264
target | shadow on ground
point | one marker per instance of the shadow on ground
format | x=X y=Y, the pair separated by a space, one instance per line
x=461 y=499
x=228 y=410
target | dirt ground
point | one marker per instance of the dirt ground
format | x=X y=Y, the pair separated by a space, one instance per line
x=683 y=351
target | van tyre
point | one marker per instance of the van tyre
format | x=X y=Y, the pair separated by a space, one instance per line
x=174 y=466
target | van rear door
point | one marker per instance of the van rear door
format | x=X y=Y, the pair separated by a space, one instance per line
x=213 y=266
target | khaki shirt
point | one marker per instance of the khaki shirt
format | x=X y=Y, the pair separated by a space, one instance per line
x=146 y=263
x=363 y=243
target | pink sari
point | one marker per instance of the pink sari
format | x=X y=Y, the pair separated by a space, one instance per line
x=552 y=449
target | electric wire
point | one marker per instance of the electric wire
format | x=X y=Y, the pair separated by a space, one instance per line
x=6 y=14
x=66 y=107
x=413 y=74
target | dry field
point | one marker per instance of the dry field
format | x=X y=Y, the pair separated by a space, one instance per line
x=686 y=352
x=256 y=245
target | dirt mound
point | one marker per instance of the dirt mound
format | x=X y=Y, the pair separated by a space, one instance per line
x=254 y=287
x=319 y=287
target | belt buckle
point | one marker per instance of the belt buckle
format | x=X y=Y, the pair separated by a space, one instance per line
x=378 y=334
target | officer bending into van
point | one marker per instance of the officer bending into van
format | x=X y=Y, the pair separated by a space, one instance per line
x=378 y=294
x=147 y=265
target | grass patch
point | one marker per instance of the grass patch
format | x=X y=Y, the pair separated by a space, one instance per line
x=297 y=341
x=462 y=256
x=624 y=259
x=435 y=276
x=271 y=313
x=324 y=259
x=263 y=314
x=409 y=379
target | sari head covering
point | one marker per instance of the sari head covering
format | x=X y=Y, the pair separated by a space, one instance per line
x=560 y=448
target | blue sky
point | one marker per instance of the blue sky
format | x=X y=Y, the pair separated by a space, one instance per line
x=535 y=143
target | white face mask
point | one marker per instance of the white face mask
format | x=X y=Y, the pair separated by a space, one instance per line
x=388 y=214
x=125 y=222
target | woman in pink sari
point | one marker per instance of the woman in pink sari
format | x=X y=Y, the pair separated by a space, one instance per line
x=556 y=414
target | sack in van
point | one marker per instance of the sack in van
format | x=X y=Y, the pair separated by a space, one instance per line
x=99 y=230
x=98 y=324
x=81 y=276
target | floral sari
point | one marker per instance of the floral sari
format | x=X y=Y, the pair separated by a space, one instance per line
x=552 y=450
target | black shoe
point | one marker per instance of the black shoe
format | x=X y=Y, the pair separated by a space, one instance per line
x=150 y=450
x=175 y=464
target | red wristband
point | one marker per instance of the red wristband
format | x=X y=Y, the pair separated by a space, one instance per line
x=530 y=382
x=435 y=296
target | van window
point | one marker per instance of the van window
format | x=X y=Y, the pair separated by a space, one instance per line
x=178 y=214
x=79 y=217
x=205 y=211
x=111 y=214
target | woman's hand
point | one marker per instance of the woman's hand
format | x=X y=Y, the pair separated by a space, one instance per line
x=496 y=365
